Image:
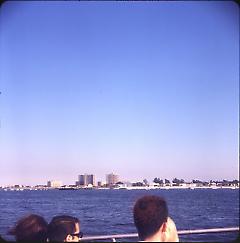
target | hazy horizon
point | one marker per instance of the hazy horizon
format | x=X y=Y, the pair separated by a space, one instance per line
x=141 y=89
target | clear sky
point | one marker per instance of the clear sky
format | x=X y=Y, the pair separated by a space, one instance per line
x=141 y=89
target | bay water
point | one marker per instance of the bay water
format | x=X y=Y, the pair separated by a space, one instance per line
x=103 y=212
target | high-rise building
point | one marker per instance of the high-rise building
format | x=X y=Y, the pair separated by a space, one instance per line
x=85 y=180
x=112 y=179
x=54 y=184
x=99 y=183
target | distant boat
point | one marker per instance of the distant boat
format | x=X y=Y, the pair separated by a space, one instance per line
x=66 y=188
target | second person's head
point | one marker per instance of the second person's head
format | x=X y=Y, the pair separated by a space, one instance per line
x=64 y=228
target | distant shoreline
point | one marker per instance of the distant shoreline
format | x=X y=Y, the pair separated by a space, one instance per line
x=122 y=188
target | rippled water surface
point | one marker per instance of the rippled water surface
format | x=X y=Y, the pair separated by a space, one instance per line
x=110 y=211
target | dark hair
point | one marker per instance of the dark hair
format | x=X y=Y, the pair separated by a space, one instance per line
x=149 y=212
x=30 y=228
x=61 y=226
x=1 y=239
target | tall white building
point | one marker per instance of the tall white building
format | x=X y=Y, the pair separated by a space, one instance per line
x=112 y=179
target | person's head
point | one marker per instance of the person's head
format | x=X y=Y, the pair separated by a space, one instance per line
x=64 y=228
x=150 y=217
x=30 y=228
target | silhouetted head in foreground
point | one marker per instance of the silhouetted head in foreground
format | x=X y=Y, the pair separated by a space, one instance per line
x=30 y=228
x=64 y=228
x=151 y=220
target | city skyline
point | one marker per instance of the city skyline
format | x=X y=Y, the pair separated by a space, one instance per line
x=86 y=179
x=141 y=89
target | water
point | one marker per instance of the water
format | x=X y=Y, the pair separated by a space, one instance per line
x=110 y=211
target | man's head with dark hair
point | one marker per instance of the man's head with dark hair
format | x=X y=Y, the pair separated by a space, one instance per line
x=64 y=228
x=30 y=228
x=150 y=217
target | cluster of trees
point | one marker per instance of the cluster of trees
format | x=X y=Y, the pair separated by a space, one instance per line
x=144 y=183
x=138 y=184
x=177 y=182
x=160 y=181
x=225 y=182
x=166 y=181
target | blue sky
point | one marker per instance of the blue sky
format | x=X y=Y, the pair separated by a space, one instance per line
x=141 y=89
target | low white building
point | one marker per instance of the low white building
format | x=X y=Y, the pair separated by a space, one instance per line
x=54 y=184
